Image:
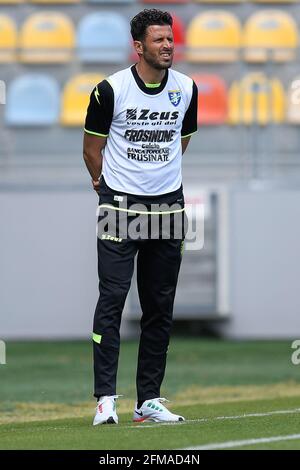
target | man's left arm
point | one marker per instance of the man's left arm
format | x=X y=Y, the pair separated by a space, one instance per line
x=189 y=124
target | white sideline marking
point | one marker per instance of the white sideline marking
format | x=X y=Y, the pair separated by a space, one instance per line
x=246 y=442
x=220 y=418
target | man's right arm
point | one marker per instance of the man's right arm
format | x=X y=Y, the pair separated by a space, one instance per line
x=92 y=154
x=96 y=129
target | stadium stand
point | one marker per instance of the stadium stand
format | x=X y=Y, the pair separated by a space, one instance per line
x=293 y=102
x=214 y=2
x=108 y=2
x=9 y=2
x=33 y=100
x=256 y=99
x=47 y=37
x=213 y=36
x=179 y=37
x=164 y=1
x=212 y=42
x=54 y=1
x=75 y=98
x=212 y=99
x=276 y=1
x=103 y=37
x=8 y=39
x=270 y=35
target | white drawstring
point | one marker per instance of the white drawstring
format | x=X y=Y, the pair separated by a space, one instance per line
x=161 y=400
x=101 y=400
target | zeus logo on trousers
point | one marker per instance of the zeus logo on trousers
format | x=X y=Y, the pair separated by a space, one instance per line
x=143 y=115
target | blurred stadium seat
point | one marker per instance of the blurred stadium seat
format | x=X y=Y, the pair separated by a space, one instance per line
x=9 y=2
x=179 y=37
x=8 y=39
x=256 y=99
x=293 y=102
x=75 y=98
x=270 y=35
x=164 y=1
x=103 y=37
x=32 y=100
x=213 y=36
x=47 y=37
x=214 y=2
x=212 y=99
x=276 y=1
x=111 y=1
x=54 y=1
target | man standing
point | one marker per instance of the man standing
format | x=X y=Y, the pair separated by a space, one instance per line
x=138 y=125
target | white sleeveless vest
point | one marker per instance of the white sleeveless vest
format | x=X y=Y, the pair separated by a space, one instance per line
x=143 y=152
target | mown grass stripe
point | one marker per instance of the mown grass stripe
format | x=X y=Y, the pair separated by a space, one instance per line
x=220 y=418
x=245 y=442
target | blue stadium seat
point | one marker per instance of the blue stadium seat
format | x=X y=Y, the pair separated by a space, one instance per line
x=32 y=100
x=103 y=37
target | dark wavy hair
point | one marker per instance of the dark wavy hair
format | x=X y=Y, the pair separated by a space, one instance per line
x=145 y=18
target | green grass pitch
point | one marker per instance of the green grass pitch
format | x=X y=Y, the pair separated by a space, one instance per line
x=243 y=395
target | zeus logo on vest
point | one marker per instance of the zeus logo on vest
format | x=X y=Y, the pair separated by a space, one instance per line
x=143 y=115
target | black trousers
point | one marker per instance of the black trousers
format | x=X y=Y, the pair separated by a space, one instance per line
x=158 y=264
